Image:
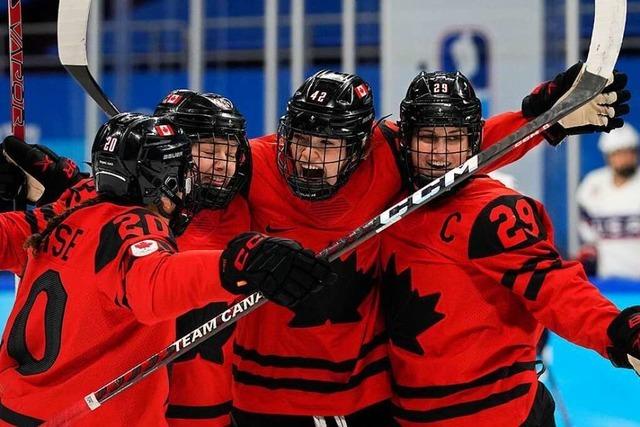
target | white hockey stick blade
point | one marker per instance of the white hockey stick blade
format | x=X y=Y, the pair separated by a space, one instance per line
x=635 y=363
x=606 y=37
x=73 y=18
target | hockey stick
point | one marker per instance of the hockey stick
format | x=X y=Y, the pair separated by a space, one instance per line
x=16 y=58
x=16 y=61
x=605 y=46
x=73 y=18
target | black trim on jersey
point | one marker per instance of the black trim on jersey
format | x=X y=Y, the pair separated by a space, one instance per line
x=17 y=419
x=31 y=219
x=462 y=409
x=538 y=274
x=316 y=386
x=199 y=412
x=47 y=212
x=446 y=390
x=307 y=362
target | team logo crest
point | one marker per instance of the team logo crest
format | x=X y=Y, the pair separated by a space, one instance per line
x=144 y=248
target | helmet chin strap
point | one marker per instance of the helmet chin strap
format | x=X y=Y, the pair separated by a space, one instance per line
x=173 y=197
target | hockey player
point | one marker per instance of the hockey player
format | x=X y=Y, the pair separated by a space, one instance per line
x=332 y=175
x=335 y=170
x=609 y=200
x=200 y=381
x=471 y=279
x=102 y=283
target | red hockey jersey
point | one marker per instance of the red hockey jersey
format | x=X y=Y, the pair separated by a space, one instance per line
x=328 y=356
x=200 y=380
x=102 y=294
x=469 y=283
x=16 y=227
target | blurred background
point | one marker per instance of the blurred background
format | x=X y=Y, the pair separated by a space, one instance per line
x=256 y=52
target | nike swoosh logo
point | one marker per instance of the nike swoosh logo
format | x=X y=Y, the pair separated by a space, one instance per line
x=276 y=230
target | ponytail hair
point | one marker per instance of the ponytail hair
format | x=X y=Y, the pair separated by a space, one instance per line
x=36 y=240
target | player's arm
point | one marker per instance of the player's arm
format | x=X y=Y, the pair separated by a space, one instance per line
x=602 y=114
x=16 y=227
x=159 y=284
x=512 y=243
x=500 y=126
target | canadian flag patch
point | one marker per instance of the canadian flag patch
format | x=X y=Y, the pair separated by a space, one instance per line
x=164 y=130
x=172 y=99
x=144 y=248
x=361 y=90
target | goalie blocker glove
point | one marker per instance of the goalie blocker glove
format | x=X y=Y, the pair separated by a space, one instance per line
x=280 y=268
x=624 y=333
x=46 y=174
x=601 y=114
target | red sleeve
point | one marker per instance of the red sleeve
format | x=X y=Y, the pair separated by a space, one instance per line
x=500 y=126
x=165 y=284
x=511 y=242
x=154 y=281
x=16 y=227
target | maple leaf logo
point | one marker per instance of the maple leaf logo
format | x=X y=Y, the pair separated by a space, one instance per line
x=337 y=303
x=44 y=163
x=407 y=313
x=143 y=245
x=211 y=349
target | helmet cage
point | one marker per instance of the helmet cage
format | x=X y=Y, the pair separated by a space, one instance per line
x=227 y=153
x=299 y=174
x=431 y=118
x=211 y=118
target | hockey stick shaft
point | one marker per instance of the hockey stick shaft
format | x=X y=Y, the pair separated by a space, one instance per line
x=16 y=72
x=599 y=66
x=16 y=61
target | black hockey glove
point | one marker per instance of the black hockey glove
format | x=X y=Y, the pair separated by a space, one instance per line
x=12 y=180
x=280 y=268
x=601 y=114
x=624 y=333
x=47 y=174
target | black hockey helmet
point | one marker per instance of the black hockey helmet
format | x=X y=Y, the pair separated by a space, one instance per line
x=438 y=100
x=209 y=117
x=328 y=105
x=137 y=159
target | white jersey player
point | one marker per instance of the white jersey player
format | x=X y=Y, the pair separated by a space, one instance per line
x=609 y=200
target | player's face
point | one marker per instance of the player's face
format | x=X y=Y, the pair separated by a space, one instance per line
x=436 y=150
x=318 y=158
x=216 y=160
x=624 y=162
